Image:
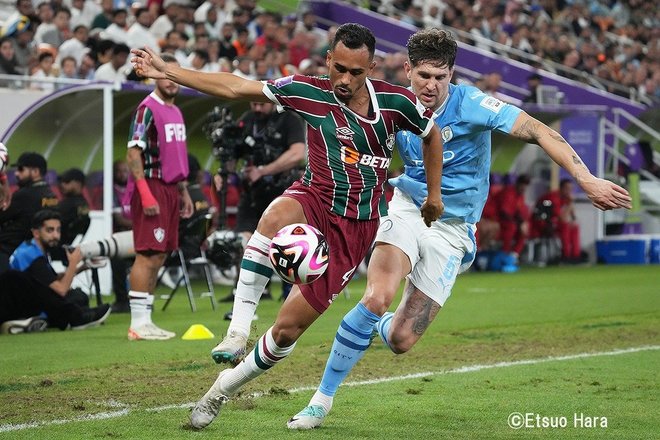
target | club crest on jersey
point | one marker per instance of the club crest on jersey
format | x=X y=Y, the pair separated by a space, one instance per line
x=447 y=134
x=389 y=143
x=159 y=234
x=351 y=156
x=344 y=133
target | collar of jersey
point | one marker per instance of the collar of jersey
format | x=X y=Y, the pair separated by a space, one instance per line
x=440 y=110
x=374 y=102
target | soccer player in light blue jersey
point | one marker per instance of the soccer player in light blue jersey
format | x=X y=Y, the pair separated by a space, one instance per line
x=431 y=258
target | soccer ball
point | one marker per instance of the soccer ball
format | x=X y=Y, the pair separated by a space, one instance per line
x=299 y=253
x=4 y=157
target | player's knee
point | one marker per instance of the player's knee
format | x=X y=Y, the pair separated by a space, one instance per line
x=376 y=301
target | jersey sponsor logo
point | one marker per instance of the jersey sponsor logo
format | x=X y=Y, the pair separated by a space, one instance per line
x=492 y=104
x=159 y=234
x=447 y=134
x=175 y=131
x=447 y=156
x=351 y=156
x=344 y=133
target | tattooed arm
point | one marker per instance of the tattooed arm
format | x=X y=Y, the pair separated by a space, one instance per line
x=602 y=193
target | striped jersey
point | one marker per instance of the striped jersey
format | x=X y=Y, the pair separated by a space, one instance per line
x=348 y=153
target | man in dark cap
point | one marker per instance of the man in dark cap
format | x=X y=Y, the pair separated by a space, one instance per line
x=33 y=194
x=73 y=207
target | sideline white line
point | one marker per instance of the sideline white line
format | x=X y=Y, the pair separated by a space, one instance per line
x=466 y=369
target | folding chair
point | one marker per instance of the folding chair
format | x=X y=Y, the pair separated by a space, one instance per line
x=191 y=254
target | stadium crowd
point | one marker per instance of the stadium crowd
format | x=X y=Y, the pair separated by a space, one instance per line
x=617 y=40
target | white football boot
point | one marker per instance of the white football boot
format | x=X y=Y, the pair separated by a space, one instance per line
x=208 y=408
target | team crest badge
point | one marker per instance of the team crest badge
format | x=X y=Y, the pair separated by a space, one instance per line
x=344 y=133
x=390 y=141
x=159 y=234
x=447 y=134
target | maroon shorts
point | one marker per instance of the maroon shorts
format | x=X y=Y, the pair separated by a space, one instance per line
x=157 y=232
x=349 y=241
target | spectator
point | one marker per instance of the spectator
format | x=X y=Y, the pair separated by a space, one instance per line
x=25 y=50
x=174 y=10
x=61 y=30
x=68 y=68
x=227 y=48
x=76 y=46
x=8 y=62
x=492 y=84
x=139 y=34
x=564 y=220
x=83 y=12
x=117 y=30
x=44 y=70
x=104 y=18
x=33 y=194
x=114 y=70
x=73 y=208
x=514 y=216
x=533 y=82
x=87 y=67
x=20 y=19
x=45 y=14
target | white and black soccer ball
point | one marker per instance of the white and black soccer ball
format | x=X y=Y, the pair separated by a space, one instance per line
x=299 y=253
x=4 y=157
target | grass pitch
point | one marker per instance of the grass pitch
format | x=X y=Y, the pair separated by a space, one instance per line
x=96 y=384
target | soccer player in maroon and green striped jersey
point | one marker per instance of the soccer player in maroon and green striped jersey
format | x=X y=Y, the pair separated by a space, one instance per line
x=351 y=126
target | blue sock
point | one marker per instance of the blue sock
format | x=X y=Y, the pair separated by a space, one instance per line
x=351 y=341
x=383 y=327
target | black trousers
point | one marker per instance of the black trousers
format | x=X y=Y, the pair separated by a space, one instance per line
x=21 y=297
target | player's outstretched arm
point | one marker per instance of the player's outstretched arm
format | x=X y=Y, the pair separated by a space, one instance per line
x=223 y=85
x=603 y=194
x=433 y=207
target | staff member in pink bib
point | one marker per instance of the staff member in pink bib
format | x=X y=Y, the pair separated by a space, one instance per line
x=158 y=159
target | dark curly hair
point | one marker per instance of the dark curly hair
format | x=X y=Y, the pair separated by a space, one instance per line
x=354 y=36
x=433 y=45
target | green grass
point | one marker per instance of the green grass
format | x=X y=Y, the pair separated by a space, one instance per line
x=490 y=318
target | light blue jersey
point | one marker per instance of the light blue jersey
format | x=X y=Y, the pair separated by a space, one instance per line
x=466 y=120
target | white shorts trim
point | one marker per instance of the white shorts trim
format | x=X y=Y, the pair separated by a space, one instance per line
x=437 y=254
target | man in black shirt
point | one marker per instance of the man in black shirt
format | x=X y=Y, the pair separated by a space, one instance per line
x=33 y=194
x=31 y=287
x=73 y=207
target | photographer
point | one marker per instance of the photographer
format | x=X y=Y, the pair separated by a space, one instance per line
x=276 y=156
x=272 y=144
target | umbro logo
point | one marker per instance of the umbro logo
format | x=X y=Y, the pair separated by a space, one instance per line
x=344 y=133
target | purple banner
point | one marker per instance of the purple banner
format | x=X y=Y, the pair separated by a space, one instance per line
x=582 y=133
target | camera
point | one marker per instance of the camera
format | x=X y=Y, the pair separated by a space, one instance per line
x=233 y=140
x=226 y=135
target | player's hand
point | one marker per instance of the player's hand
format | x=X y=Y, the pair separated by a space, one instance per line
x=606 y=195
x=151 y=210
x=187 y=207
x=148 y=64
x=432 y=210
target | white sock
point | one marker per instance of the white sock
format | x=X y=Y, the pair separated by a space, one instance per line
x=266 y=354
x=252 y=279
x=321 y=399
x=141 y=304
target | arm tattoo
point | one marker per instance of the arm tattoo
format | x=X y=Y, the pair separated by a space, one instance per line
x=576 y=160
x=556 y=136
x=528 y=131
